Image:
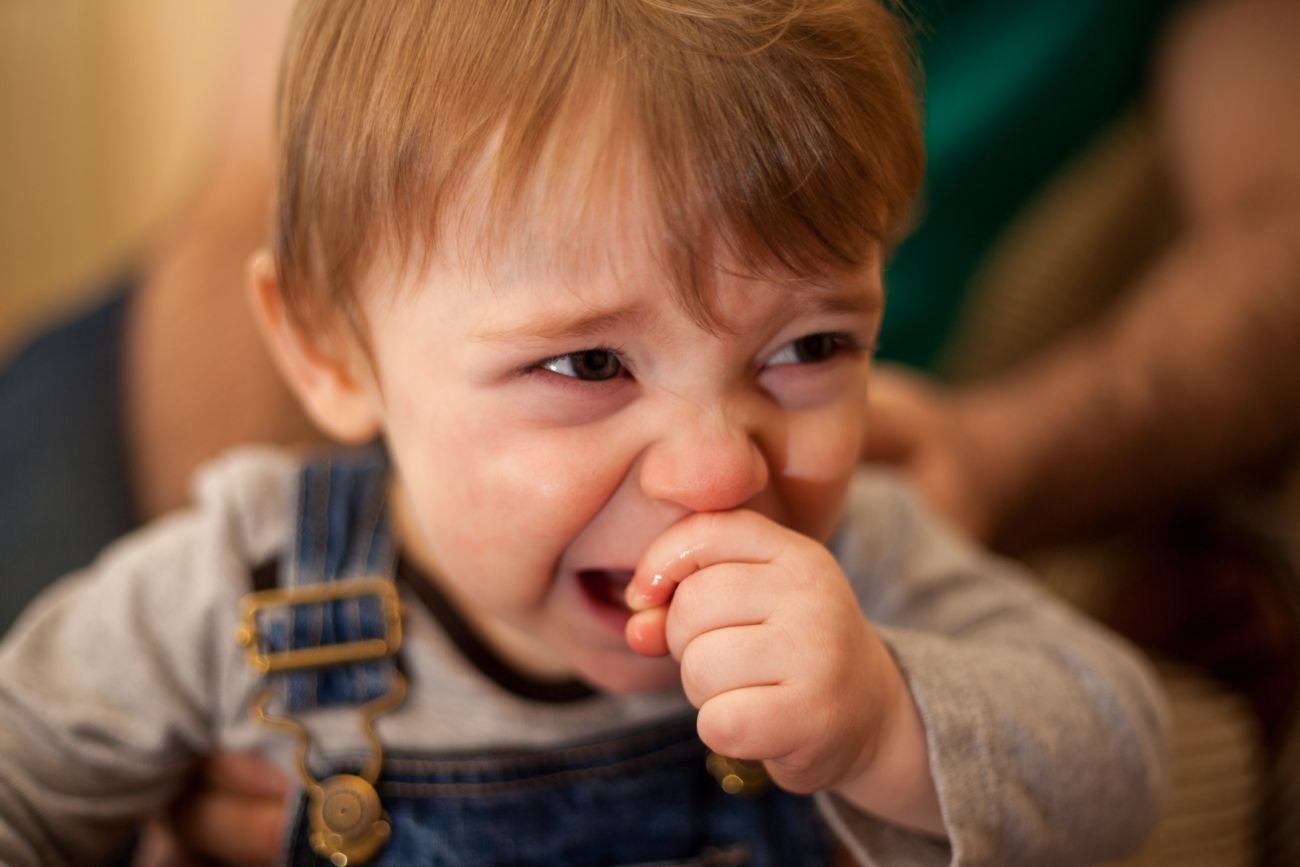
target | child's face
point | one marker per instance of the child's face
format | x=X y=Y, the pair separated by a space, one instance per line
x=547 y=425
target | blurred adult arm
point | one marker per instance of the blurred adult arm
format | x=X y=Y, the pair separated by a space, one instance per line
x=1196 y=375
x=196 y=377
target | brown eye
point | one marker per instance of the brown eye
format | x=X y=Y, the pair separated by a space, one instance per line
x=815 y=347
x=590 y=365
x=596 y=364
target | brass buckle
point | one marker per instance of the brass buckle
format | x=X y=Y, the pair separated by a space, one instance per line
x=348 y=823
x=738 y=776
x=332 y=654
x=347 y=820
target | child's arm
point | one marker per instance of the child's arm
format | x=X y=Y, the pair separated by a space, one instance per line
x=1043 y=738
x=108 y=686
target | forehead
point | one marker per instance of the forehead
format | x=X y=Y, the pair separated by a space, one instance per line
x=611 y=295
x=589 y=226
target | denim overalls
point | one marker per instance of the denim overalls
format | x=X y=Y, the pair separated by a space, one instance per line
x=642 y=797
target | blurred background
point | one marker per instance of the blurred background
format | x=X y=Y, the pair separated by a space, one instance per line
x=106 y=115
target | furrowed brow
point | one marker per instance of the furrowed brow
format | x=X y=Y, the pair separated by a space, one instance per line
x=827 y=301
x=562 y=327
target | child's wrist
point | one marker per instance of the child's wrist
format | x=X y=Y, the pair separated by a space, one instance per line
x=893 y=779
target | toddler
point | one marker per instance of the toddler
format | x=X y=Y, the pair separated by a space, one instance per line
x=591 y=289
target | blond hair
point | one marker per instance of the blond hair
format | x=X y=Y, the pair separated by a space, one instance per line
x=787 y=127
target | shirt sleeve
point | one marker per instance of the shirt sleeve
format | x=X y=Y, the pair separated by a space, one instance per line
x=107 y=688
x=1047 y=735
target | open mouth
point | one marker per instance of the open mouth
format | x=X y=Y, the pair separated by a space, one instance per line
x=606 y=586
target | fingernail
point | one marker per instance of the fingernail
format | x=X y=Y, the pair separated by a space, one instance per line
x=639 y=599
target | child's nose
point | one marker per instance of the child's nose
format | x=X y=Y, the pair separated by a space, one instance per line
x=710 y=465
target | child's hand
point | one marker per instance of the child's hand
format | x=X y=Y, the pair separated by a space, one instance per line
x=774 y=650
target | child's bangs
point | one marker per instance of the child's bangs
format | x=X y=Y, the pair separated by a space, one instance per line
x=777 y=141
x=793 y=152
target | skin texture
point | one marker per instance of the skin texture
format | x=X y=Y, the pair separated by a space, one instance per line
x=1195 y=376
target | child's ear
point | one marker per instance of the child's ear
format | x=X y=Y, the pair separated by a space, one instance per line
x=325 y=367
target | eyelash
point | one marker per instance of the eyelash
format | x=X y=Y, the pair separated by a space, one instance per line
x=839 y=343
x=613 y=355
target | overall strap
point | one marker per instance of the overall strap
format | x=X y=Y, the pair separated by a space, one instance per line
x=329 y=631
x=328 y=635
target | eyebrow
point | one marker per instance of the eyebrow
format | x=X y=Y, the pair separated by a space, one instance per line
x=862 y=303
x=564 y=327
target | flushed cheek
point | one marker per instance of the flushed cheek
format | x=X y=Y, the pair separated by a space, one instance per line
x=822 y=451
x=824 y=444
x=500 y=514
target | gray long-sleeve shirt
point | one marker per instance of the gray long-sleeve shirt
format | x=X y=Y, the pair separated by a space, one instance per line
x=1046 y=735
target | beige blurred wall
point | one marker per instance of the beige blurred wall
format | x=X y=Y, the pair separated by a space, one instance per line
x=105 y=110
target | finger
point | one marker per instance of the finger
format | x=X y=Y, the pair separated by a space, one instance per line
x=232 y=829
x=645 y=632
x=719 y=596
x=733 y=658
x=698 y=541
x=244 y=773
x=739 y=723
